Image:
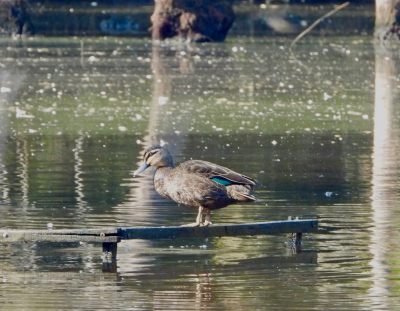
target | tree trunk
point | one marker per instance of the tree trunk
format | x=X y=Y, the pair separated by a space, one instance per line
x=385 y=19
x=192 y=20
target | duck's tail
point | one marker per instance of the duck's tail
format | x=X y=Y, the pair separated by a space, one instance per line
x=242 y=193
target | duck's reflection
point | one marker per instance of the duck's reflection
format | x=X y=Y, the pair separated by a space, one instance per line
x=162 y=129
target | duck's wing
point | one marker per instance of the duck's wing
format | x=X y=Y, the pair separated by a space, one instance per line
x=219 y=174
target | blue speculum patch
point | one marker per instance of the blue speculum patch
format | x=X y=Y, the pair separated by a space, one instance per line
x=222 y=181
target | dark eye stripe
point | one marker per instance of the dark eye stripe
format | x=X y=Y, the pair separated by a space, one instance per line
x=147 y=155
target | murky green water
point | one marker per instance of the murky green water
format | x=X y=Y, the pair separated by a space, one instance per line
x=320 y=132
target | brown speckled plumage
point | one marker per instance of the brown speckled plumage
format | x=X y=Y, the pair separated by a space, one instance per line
x=191 y=183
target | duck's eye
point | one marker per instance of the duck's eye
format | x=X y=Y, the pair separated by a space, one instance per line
x=149 y=154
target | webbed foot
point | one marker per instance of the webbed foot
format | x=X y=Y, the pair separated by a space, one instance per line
x=206 y=223
x=193 y=224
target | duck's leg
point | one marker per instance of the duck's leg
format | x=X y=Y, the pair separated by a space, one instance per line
x=208 y=219
x=198 y=219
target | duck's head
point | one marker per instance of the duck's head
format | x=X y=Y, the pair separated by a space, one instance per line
x=155 y=156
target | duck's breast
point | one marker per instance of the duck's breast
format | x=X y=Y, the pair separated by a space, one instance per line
x=160 y=181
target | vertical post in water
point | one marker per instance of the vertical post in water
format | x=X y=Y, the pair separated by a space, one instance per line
x=294 y=242
x=110 y=256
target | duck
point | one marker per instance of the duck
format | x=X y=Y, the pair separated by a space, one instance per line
x=198 y=184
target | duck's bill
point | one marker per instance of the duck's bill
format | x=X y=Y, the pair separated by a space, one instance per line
x=140 y=169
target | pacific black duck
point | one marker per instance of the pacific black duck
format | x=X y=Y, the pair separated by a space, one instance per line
x=197 y=184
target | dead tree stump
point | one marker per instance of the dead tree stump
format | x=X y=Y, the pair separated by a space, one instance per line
x=192 y=20
x=385 y=20
x=14 y=18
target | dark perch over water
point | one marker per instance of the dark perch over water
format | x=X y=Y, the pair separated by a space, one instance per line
x=109 y=237
x=197 y=184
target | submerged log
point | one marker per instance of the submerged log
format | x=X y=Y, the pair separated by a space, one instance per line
x=385 y=20
x=192 y=20
x=14 y=18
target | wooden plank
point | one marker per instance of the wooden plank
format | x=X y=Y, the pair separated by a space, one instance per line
x=100 y=235
x=261 y=228
x=112 y=235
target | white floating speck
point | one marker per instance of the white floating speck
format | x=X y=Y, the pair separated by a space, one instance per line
x=328 y=194
x=19 y=113
x=203 y=246
x=274 y=142
x=234 y=49
x=326 y=96
x=5 y=89
x=112 y=99
x=365 y=117
x=122 y=128
x=49 y=225
x=139 y=142
x=93 y=59
x=31 y=131
x=162 y=100
x=162 y=143
x=5 y=235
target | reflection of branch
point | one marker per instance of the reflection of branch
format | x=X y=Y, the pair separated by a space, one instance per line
x=78 y=171
x=299 y=61
x=303 y=33
x=23 y=157
x=82 y=63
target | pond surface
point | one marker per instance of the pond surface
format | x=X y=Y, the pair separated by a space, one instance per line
x=319 y=129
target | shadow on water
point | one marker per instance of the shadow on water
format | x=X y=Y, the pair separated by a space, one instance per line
x=74 y=128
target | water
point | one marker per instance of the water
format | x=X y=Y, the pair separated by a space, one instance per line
x=320 y=131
